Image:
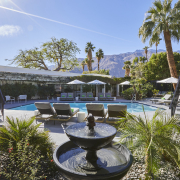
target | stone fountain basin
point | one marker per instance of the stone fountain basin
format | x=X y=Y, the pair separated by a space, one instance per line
x=66 y=158
x=91 y=142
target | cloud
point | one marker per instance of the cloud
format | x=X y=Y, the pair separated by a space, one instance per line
x=9 y=30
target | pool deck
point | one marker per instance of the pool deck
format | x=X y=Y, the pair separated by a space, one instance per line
x=56 y=132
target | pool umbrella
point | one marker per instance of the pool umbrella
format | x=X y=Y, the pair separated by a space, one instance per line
x=97 y=82
x=124 y=83
x=77 y=82
x=171 y=80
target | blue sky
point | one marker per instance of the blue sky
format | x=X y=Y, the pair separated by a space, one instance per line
x=110 y=24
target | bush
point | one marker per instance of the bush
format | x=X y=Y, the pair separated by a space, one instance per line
x=101 y=71
x=127 y=94
x=46 y=90
x=29 y=150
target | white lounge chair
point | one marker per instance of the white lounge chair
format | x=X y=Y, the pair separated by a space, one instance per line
x=64 y=112
x=116 y=112
x=97 y=110
x=45 y=111
x=166 y=97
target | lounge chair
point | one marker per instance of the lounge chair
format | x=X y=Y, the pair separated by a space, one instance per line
x=9 y=99
x=64 y=112
x=101 y=97
x=97 y=110
x=108 y=97
x=45 y=111
x=70 y=97
x=90 y=97
x=115 y=112
x=22 y=97
x=166 y=97
x=83 y=97
x=63 y=97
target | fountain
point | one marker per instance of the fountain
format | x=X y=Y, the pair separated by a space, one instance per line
x=90 y=154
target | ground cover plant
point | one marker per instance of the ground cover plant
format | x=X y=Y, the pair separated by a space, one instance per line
x=25 y=152
x=154 y=139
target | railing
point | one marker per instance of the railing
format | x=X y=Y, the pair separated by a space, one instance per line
x=175 y=98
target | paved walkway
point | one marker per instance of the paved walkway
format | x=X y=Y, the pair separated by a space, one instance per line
x=56 y=132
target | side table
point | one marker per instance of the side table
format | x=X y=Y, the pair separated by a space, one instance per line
x=81 y=116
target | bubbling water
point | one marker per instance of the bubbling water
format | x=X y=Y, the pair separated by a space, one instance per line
x=82 y=131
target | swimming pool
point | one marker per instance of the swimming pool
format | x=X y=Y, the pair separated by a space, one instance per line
x=131 y=107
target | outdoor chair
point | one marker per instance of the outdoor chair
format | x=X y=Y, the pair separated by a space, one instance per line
x=166 y=97
x=101 y=97
x=97 y=110
x=90 y=97
x=63 y=97
x=44 y=112
x=108 y=97
x=63 y=112
x=116 y=112
x=9 y=99
x=70 y=97
x=83 y=97
x=22 y=97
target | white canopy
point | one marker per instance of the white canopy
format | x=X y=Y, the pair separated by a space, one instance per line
x=168 y=80
x=76 y=82
x=97 y=82
x=125 y=83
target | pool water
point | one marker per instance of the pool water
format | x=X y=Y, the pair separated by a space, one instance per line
x=131 y=107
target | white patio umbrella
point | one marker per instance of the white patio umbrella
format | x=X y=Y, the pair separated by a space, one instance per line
x=97 y=82
x=124 y=83
x=77 y=82
x=171 y=80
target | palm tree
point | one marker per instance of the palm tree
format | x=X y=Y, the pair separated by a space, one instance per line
x=87 y=62
x=155 y=138
x=83 y=64
x=99 y=56
x=127 y=65
x=89 y=49
x=155 y=39
x=163 y=19
x=146 y=51
x=142 y=59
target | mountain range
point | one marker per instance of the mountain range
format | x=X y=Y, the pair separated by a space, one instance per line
x=115 y=62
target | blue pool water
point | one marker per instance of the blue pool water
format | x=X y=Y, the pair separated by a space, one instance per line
x=131 y=107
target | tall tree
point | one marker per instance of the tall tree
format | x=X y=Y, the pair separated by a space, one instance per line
x=32 y=58
x=83 y=64
x=155 y=39
x=86 y=60
x=62 y=52
x=127 y=65
x=99 y=56
x=164 y=20
x=146 y=51
x=89 y=49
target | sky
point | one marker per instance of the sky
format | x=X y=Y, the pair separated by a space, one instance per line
x=111 y=25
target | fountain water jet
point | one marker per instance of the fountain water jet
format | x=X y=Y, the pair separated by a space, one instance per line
x=90 y=154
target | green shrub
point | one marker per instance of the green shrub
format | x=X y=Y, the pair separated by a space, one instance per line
x=31 y=149
x=127 y=94
x=101 y=71
x=46 y=90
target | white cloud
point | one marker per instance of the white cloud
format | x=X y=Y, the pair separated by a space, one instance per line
x=9 y=30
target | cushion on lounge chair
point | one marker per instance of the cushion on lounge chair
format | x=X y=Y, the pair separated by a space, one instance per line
x=117 y=110
x=44 y=108
x=101 y=95
x=64 y=109
x=63 y=95
x=96 y=109
x=83 y=95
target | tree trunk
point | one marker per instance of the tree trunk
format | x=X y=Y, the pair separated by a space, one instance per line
x=83 y=67
x=90 y=58
x=170 y=56
x=156 y=48
x=127 y=72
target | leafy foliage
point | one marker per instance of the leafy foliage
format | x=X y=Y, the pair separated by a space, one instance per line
x=99 y=56
x=25 y=150
x=155 y=138
x=60 y=52
x=101 y=71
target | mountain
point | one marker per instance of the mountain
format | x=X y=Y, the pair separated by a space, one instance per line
x=115 y=62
